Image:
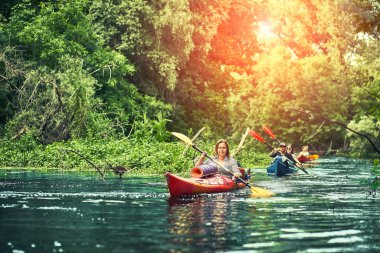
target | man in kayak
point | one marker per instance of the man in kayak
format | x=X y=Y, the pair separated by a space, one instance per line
x=222 y=156
x=281 y=151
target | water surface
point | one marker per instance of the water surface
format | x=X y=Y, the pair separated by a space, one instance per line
x=326 y=211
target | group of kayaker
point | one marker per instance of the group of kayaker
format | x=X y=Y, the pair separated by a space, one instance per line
x=223 y=158
x=288 y=152
x=284 y=151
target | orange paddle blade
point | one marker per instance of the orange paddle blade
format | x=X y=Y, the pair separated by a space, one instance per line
x=312 y=157
x=256 y=136
x=269 y=132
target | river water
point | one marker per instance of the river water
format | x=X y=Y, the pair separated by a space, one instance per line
x=327 y=211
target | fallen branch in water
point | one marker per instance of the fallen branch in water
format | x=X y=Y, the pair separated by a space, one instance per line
x=88 y=161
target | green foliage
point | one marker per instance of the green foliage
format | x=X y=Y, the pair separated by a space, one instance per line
x=368 y=126
x=297 y=65
x=20 y=152
x=126 y=71
x=252 y=158
x=366 y=92
x=156 y=36
x=144 y=156
x=68 y=82
x=151 y=129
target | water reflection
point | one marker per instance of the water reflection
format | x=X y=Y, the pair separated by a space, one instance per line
x=225 y=221
x=195 y=220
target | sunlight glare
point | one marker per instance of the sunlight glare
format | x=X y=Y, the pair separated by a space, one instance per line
x=265 y=31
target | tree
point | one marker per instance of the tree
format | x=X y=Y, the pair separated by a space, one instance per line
x=300 y=62
x=364 y=60
x=64 y=73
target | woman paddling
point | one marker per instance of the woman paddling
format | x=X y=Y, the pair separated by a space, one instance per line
x=222 y=156
x=290 y=150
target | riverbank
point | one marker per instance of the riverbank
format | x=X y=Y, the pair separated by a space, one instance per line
x=138 y=156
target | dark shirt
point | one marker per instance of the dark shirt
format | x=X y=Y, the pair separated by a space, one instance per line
x=287 y=155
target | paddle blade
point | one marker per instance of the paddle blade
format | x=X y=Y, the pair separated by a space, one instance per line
x=256 y=136
x=183 y=137
x=258 y=192
x=313 y=157
x=269 y=132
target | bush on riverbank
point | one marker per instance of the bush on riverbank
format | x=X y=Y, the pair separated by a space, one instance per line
x=141 y=155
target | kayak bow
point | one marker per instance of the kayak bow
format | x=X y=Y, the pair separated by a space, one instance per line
x=179 y=186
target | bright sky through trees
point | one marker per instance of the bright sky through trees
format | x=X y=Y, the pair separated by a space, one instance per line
x=265 y=32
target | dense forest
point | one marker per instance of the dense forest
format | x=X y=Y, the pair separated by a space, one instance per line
x=111 y=78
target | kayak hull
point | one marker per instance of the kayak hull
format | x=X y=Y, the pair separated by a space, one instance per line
x=279 y=169
x=303 y=159
x=179 y=186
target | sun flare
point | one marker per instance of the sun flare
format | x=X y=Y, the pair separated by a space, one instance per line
x=265 y=31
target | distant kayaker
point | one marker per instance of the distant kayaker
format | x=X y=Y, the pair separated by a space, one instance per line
x=290 y=150
x=222 y=156
x=304 y=152
x=281 y=151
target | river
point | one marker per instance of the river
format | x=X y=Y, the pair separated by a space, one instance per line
x=327 y=211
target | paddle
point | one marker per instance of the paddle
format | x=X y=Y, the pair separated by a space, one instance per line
x=313 y=157
x=256 y=191
x=259 y=138
x=270 y=133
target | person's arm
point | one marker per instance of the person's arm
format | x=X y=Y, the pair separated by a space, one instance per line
x=200 y=160
x=234 y=167
x=274 y=153
x=294 y=160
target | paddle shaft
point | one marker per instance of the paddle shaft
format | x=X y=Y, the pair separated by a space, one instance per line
x=209 y=157
x=277 y=140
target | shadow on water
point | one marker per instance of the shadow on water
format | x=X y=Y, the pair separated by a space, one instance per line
x=326 y=211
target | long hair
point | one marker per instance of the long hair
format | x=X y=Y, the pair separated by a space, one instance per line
x=289 y=149
x=217 y=146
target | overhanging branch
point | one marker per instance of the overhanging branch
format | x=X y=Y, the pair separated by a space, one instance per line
x=339 y=124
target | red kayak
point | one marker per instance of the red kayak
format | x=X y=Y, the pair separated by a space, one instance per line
x=303 y=159
x=179 y=186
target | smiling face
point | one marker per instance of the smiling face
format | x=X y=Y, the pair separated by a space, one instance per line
x=222 y=149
